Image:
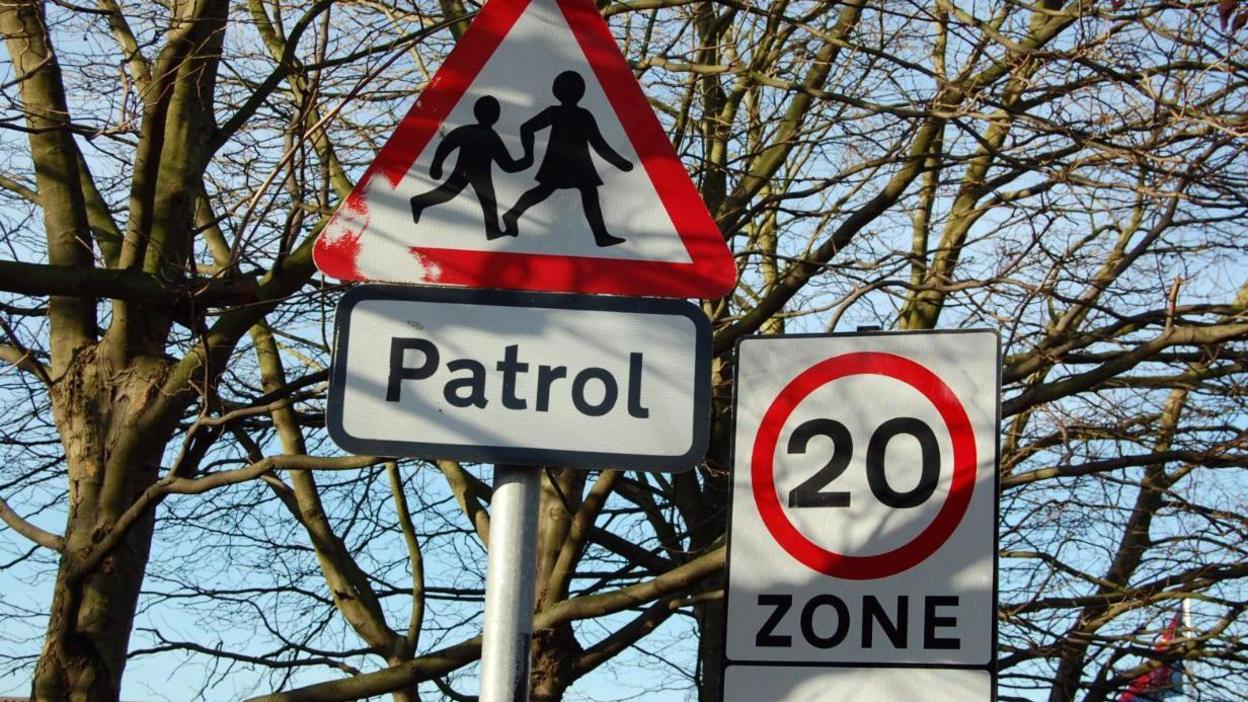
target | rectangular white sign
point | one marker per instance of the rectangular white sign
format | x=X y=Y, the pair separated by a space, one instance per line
x=524 y=378
x=863 y=526
x=778 y=683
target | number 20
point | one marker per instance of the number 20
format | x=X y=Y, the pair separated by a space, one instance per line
x=810 y=493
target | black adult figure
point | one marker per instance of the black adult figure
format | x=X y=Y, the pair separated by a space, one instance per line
x=479 y=148
x=567 y=163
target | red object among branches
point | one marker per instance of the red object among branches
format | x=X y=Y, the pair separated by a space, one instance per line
x=1160 y=683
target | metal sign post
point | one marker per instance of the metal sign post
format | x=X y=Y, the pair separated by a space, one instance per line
x=509 y=581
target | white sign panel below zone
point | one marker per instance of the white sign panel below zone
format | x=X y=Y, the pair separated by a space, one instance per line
x=521 y=378
x=775 y=683
x=863 y=526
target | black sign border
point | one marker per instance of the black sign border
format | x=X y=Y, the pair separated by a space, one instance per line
x=657 y=463
x=991 y=666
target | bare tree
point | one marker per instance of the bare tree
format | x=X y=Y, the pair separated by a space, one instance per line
x=1069 y=173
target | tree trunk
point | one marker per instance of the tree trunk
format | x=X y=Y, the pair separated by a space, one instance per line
x=84 y=651
x=711 y=651
x=555 y=652
x=111 y=461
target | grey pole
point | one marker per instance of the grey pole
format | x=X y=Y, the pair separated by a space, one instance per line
x=511 y=574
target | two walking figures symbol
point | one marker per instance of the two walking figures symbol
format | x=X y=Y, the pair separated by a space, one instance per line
x=566 y=165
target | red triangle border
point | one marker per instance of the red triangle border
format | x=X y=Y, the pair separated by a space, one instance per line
x=711 y=272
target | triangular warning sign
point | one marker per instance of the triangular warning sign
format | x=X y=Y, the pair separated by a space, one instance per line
x=532 y=161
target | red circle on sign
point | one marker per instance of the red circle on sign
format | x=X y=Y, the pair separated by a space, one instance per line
x=762 y=466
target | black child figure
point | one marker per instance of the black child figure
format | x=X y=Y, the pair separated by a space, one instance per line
x=479 y=148
x=567 y=163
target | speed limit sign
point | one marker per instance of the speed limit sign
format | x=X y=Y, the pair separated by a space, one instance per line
x=863 y=527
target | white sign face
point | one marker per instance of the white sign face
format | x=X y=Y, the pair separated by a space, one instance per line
x=630 y=207
x=749 y=683
x=863 y=526
x=521 y=378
